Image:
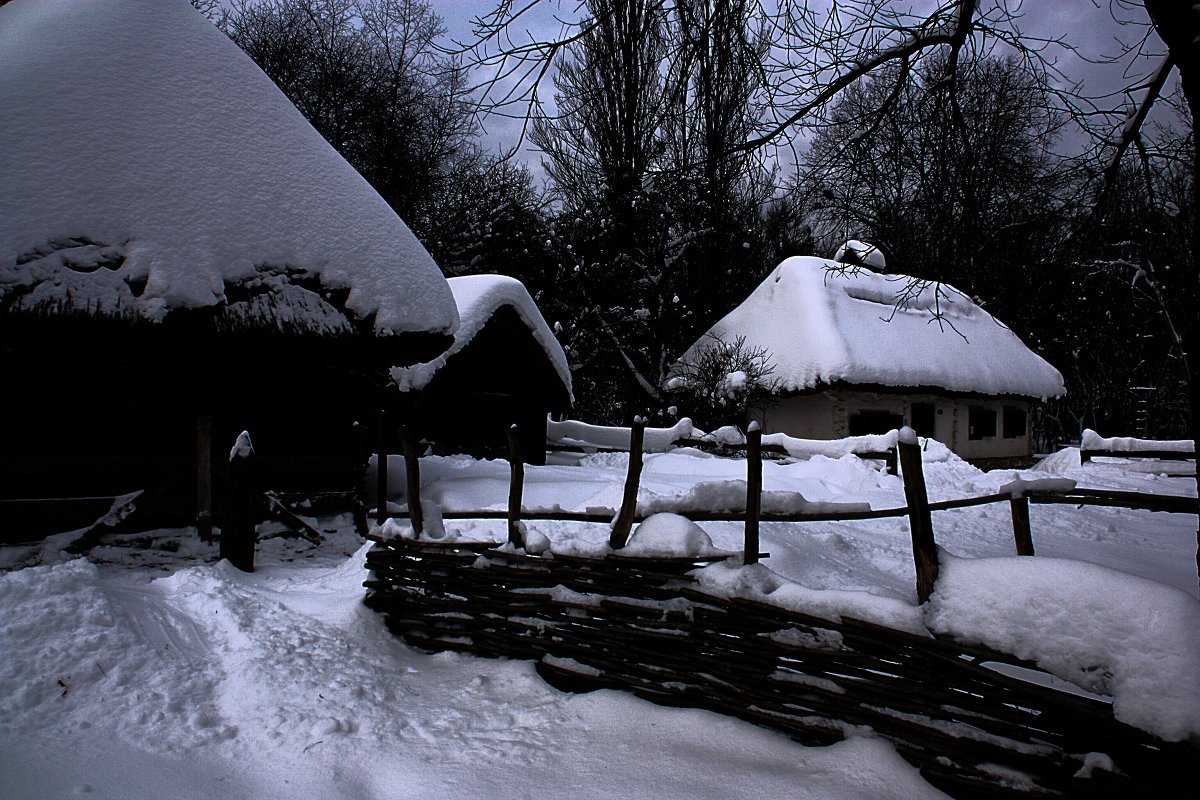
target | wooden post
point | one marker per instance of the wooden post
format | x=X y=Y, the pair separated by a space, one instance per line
x=204 y=525
x=381 y=469
x=624 y=522
x=362 y=452
x=890 y=464
x=1022 y=531
x=412 y=476
x=238 y=535
x=919 y=520
x=753 y=492
x=516 y=482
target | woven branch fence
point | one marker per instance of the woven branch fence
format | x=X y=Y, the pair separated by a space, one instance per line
x=645 y=625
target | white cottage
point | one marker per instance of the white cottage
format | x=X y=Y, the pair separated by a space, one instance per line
x=858 y=352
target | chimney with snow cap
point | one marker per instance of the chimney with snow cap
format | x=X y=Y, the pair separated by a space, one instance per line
x=861 y=254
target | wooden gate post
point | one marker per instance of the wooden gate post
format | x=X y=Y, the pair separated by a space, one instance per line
x=381 y=476
x=204 y=523
x=624 y=522
x=238 y=534
x=920 y=522
x=516 y=482
x=412 y=479
x=753 y=492
x=1022 y=531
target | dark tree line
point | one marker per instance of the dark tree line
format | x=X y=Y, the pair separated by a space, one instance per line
x=663 y=204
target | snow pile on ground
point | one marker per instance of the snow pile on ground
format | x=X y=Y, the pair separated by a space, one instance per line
x=1105 y=631
x=71 y=644
x=1065 y=459
x=281 y=684
x=150 y=165
x=211 y=683
x=730 y=497
x=1023 y=486
x=669 y=535
x=478 y=297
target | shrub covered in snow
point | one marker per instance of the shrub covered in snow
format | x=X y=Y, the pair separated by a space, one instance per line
x=722 y=381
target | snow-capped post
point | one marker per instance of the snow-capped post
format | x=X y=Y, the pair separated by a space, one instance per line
x=516 y=481
x=624 y=521
x=753 y=491
x=412 y=476
x=381 y=477
x=1022 y=531
x=920 y=522
x=238 y=533
x=204 y=477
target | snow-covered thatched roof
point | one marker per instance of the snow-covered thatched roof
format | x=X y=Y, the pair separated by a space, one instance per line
x=478 y=297
x=149 y=165
x=821 y=322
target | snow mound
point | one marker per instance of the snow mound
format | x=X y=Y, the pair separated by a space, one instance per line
x=1105 y=631
x=72 y=645
x=729 y=496
x=1023 y=486
x=1063 y=460
x=149 y=165
x=669 y=535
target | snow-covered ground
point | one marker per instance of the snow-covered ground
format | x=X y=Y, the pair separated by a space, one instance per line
x=151 y=670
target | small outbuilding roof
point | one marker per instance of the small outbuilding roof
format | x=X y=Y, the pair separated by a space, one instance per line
x=149 y=165
x=821 y=322
x=478 y=297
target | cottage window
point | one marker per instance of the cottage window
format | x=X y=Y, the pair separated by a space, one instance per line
x=865 y=423
x=982 y=423
x=923 y=416
x=1016 y=422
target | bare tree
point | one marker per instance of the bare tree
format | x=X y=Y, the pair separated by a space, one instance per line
x=370 y=78
x=964 y=189
x=720 y=190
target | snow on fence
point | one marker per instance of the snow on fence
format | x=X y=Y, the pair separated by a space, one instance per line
x=572 y=435
x=971 y=730
x=1093 y=445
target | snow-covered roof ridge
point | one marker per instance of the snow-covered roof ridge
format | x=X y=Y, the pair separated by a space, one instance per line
x=478 y=297
x=823 y=323
x=149 y=165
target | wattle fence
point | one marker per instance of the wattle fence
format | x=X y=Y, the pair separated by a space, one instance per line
x=647 y=626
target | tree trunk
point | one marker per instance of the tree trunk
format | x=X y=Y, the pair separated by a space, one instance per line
x=1178 y=25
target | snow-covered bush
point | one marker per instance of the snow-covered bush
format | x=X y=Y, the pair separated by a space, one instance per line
x=722 y=381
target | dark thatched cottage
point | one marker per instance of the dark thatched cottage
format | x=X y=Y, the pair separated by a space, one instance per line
x=182 y=256
x=856 y=351
x=504 y=367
